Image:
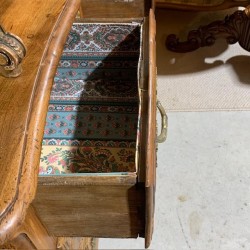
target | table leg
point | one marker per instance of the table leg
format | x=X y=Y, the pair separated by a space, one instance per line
x=234 y=28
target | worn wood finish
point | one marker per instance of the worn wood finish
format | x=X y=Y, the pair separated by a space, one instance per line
x=77 y=243
x=143 y=139
x=143 y=89
x=109 y=20
x=115 y=8
x=63 y=243
x=234 y=28
x=85 y=194
x=108 y=206
x=71 y=205
x=32 y=234
x=151 y=138
x=85 y=180
x=20 y=242
x=201 y=7
x=24 y=101
x=91 y=210
x=35 y=231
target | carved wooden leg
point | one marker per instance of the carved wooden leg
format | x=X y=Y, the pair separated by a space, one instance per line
x=36 y=232
x=20 y=242
x=64 y=243
x=31 y=235
x=234 y=28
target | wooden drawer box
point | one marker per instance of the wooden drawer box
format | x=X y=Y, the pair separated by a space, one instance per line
x=98 y=155
x=97 y=159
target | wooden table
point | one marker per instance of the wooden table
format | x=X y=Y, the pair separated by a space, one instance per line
x=23 y=101
x=43 y=27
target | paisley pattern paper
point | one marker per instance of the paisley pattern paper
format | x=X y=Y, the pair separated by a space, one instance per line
x=92 y=119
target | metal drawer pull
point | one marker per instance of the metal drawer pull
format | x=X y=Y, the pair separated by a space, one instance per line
x=12 y=52
x=164 y=123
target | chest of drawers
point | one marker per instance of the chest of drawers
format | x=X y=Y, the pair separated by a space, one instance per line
x=85 y=158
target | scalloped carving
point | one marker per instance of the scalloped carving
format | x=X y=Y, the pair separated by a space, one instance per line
x=12 y=52
x=234 y=28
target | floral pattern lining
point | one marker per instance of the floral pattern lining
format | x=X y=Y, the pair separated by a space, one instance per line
x=92 y=118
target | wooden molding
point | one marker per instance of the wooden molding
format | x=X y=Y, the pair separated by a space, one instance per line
x=64 y=243
x=24 y=102
x=234 y=28
x=151 y=136
x=31 y=235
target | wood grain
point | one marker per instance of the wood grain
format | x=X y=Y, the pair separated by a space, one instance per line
x=78 y=180
x=115 y=8
x=35 y=231
x=151 y=138
x=184 y=5
x=24 y=100
x=143 y=88
x=77 y=243
x=20 y=242
x=31 y=235
x=91 y=210
x=73 y=206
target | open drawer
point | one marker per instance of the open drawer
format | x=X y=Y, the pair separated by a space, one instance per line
x=97 y=163
x=97 y=168
x=98 y=153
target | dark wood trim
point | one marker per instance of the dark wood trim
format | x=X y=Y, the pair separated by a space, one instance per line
x=234 y=28
x=202 y=7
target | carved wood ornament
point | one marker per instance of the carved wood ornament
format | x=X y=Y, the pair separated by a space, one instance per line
x=12 y=52
x=234 y=28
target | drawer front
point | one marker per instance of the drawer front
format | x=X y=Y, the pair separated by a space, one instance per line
x=100 y=209
x=114 y=8
x=151 y=137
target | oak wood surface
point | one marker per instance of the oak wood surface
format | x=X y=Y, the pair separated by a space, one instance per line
x=64 y=243
x=114 y=8
x=24 y=100
x=20 y=242
x=85 y=180
x=91 y=210
x=31 y=235
x=201 y=5
x=143 y=89
x=117 y=206
x=36 y=232
x=151 y=137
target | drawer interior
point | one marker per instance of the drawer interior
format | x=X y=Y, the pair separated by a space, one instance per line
x=94 y=111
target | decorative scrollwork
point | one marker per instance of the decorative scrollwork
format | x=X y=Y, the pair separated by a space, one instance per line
x=12 y=52
x=234 y=28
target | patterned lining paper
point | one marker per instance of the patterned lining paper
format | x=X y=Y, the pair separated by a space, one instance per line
x=92 y=118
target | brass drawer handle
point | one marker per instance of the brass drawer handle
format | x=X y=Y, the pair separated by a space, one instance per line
x=164 y=123
x=12 y=52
